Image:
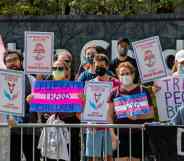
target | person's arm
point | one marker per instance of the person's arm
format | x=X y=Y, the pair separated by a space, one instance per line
x=81 y=77
x=80 y=70
x=149 y=115
x=110 y=119
x=111 y=116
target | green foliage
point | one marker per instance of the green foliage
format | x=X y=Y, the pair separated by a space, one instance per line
x=94 y=7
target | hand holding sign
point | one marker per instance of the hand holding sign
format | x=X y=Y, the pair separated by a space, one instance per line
x=57 y=96
x=170 y=97
x=148 y=54
x=39 y=48
x=97 y=94
x=132 y=106
x=155 y=88
x=29 y=98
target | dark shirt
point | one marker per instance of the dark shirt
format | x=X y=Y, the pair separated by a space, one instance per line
x=117 y=92
x=115 y=63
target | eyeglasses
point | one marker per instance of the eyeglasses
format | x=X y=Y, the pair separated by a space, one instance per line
x=58 y=68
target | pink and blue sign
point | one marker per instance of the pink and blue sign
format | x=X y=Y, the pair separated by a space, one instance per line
x=57 y=96
x=131 y=105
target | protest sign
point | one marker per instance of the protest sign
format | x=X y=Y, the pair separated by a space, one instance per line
x=148 y=54
x=96 y=106
x=131 y=105
x=170 y=97
x=39 y=48
x=57 y=96
x=12 y=92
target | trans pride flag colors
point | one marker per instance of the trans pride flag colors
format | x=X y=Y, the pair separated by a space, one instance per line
x=57 y=96
x=131 y=105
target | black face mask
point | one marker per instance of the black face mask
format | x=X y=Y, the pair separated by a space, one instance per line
x=100 y=71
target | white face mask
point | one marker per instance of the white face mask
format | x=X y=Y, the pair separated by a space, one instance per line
x=126 y=80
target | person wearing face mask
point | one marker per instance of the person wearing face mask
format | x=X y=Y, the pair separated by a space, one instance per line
x=65 y=56
x=87 y=72
x=126 y=75
x=101 y=64
x=123 y=51
x=61 y=71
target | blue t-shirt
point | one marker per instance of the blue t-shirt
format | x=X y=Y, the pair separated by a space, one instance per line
x=86 y=76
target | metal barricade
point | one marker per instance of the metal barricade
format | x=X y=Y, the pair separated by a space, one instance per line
x=120 y=154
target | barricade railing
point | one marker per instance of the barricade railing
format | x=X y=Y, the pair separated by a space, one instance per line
x=29 y=139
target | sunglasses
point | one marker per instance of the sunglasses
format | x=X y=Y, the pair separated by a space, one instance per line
x=58 y=68
x=67 y=61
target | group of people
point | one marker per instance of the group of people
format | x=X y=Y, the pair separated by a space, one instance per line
x=96 y=66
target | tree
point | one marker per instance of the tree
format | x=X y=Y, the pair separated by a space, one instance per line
x=91 y=7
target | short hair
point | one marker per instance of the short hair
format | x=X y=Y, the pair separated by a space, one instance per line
x=7 y=53
x=121 y=40
x=101 y=50
x=101 y=57
x=126 y=65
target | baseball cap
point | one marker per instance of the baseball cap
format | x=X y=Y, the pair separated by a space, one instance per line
x=179 y=56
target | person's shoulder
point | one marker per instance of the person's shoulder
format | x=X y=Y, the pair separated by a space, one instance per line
x=113 y=94
x=86 y=76
x=115 y=90
x=129 y=58
x=132 y=61
x=115 y=81
x=115 y=60
x=82 y=75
